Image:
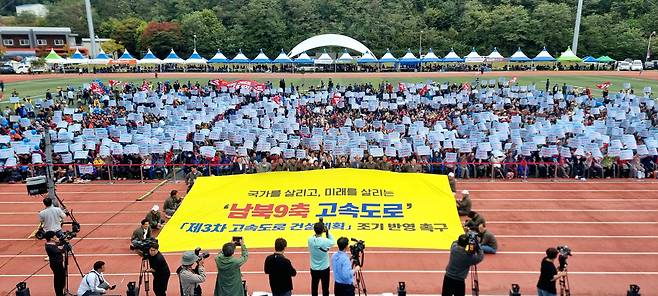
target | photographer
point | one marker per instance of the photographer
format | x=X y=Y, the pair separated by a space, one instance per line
x=229 y=277
x=189 y=277
x=488 y=241
x=51 y=217
x=280 y=270
x=318 y=247
x=160 y=270
x=343 y=272
x=141 y=235
x=458 y=266
x=56 y=260
x=548 y=274
x=93 y=283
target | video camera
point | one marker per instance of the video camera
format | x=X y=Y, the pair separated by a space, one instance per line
x=357 y=250
x=202 y=255
x=564 y=253
x=473 y=243
x=143 y=246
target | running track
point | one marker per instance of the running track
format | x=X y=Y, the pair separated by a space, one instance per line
x=611 y=226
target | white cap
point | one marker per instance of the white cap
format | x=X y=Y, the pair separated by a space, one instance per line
x=155 y=208
x=465 y=192
x=451 y=174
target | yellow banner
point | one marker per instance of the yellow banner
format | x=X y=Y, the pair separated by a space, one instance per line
x=384 y=209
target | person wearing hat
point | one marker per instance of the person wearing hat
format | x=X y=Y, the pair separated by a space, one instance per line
x=464 y=205
x=229 y=277
x=189 y=277
x=452 y=182
x=155 y=218
x=56 y=260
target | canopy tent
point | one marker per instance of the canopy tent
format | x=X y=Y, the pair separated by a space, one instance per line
x=367 y=58
x=101 y=59
x=409 y=58
x=125 y=58
x=569 y=56
x=605 y=59
x=519 y=57
x=173 y=58
x=328 y=40
x=54 y=58
x=77 y=58
x=324 y=59
x=473 y=57
x=196 y=59
x=261 y=58
x=590 y=59
x=452 y=57
x=430 y=57
x=283 y=58
x=388 y=57
x=149 y=59
x=495 y=56
x=303 y=59
x=544 y=56
x=345 y=58
x=240 y=58
x=218 y=58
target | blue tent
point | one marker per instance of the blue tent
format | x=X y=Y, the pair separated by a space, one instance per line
x=126 y=56
x=219 y=58
x=102 y=56
x=430 y=57
x=409 y=58
x=303 y=59
x=589 y=59
x=388 y=57
x=261 y=58
x=240 y=58
x=367 y=58
x=452 y=57
x=519 y=57
x=544 y=56
x=282 y=58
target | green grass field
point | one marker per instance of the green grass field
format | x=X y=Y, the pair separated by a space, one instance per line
x=38 y=87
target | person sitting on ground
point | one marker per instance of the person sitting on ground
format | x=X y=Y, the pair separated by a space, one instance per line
x=172 y=203
x=155 y=218
x=452 y=182
x=474 y=220
x=140 y=235
x=464 y=205
x=488 y=241
x=94 y=283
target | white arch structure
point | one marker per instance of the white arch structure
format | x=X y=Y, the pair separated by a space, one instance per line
x=328 y=40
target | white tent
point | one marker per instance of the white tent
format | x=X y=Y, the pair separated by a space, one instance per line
x=345 y=58
x=77 y=58
x=495 y=56
x=324 y=59
x=430 y=57
x=195 y=59
x=473 y=57
x=544 y=56
x=519 y=56
x=325 y=40
x=101 y=59
x=149 y=59
x=452 y=57
x=218 y=58
x=173 y=58
x=304 y=59
x=388 y=57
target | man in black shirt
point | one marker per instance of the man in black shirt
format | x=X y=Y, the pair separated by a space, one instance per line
x=160 y=270
x=56 y=260
x=548 y=274
x=280 y=270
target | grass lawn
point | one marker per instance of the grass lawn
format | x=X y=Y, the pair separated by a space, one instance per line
x=38 y=87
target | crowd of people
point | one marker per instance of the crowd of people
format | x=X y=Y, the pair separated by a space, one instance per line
x=492 y=129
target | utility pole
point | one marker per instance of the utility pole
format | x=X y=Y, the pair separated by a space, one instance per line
x=649 y=48
x=420 y=45
x=90 y=25
x=576 y=29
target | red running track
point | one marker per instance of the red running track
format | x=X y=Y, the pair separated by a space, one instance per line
x=611 y=226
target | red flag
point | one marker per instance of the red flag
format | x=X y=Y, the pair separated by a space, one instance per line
x=145 y=86
x=604 y=85
x=277 y=99
x=96 y=88
x=467 y=87
x=113 y=83
x=424 y=90
x=218 y=83
x=513 y=80
x=402 y=87
x=335 y=98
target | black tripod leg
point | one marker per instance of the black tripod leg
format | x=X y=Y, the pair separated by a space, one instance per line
x=75 y=260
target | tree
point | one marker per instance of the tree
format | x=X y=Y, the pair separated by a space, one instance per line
x=161 y=38
x=505 y=26
x=111 y=46
x=2 y=50
x=549 y=26
x=70 y=13
x=209 y=31
x=125 y=31
x=263 y=26
x=28 y=19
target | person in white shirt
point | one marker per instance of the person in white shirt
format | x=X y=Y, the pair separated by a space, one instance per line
x=93 y=283
x=51 y=217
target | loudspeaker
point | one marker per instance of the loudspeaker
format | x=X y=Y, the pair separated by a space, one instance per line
x=22 y=289
x=37 y=185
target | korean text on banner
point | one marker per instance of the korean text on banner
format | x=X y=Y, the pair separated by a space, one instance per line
x=385 y=209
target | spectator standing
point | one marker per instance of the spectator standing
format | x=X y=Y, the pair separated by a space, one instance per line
x=279 y=270
x=318 y=248
x=229 y=277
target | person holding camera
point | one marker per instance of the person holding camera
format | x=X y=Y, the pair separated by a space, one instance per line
x=93 y=283
x=141 y=235
x=56 y=259
x=190 y=278
x=229 y=277
x=51 y=217
x=488 y=241
x=343 y=271
x=318 y=247
x=280 y=270
x=160 y=270
x=549 y=274
x=460 y=262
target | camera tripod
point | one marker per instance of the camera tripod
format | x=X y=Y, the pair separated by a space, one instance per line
x=67 y=254
x=144 y=276
x=564 y=284
x=475 y=282
x=360 y=280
